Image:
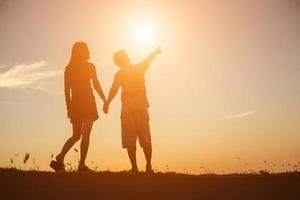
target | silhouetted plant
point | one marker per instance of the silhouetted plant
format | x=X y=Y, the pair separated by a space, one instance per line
x=26 y=157
x=11 y=161
x=17 y=161
x=274 y=167
x=239 y=161
x=92 y=165
x=69 y=166
x=295 y=167
x=76 y=158
x=265 y=163
x=201 y=169
x=264 y=172
x=282 y=166
x=167 y=168
x=288 y=167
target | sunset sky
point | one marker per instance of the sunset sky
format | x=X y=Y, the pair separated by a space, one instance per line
x=224 y=94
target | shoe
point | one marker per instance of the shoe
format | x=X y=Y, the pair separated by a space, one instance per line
x=149 y=169
x=84 y=169
x=133 y=171
x=57 y=166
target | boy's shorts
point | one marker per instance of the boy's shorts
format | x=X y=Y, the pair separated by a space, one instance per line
x=135 y=125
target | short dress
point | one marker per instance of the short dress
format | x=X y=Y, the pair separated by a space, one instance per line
x=82 y=104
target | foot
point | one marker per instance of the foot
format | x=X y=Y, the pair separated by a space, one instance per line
x=59 y=159
x=134 y=170
x=57 y=166
x=149 y=169
x=84 y=168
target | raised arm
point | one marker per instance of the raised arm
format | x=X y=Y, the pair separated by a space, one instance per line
x=146 y=63
x=67 y=87
x=96 y=84
x=112 y=93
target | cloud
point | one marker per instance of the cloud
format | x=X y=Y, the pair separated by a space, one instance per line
x=27 y=75
x=241 y=115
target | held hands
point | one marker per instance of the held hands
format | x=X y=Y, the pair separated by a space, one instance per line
x=106 y=107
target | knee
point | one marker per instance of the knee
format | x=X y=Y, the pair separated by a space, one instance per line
x=131 y=148
x=146 y=145
x=85 y=137
x=147 y=148
x=76 y=137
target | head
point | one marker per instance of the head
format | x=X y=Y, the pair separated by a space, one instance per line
x=80 y=53
x=121 y=59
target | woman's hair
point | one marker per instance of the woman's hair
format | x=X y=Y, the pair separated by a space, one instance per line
x=80 y=53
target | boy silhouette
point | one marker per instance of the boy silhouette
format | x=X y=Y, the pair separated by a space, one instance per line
x=134 y=112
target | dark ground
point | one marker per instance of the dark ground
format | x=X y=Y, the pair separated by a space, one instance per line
x=107 y=185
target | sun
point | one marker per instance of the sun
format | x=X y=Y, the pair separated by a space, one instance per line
x=145 y=33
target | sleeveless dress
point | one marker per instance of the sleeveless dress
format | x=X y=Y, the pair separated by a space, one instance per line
x=82 y=104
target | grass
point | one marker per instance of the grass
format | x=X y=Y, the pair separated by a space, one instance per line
x=17 y=184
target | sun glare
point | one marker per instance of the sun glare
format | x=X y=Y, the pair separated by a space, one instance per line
x=145 y=33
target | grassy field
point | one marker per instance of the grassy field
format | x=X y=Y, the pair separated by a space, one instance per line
x=108 y=185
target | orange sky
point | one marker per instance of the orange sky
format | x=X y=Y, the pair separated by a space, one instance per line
x=225 y=87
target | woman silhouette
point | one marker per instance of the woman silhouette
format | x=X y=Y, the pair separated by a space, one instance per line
x=81 y=105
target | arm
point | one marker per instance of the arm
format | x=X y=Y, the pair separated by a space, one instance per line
x=146 y=63
x=67 y=94
x=96 y=84
x=112 y=93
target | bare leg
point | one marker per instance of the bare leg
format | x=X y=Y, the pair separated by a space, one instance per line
x=148 y=156
x=132 y=156
x=85 y=140
x=70 y=142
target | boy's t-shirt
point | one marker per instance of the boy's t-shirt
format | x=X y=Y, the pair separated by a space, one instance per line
x=132 y=81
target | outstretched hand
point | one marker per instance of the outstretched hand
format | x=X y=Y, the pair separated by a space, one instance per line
x=157 y=50
x=105 y=107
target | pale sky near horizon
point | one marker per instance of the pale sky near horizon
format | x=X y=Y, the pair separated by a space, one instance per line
x=224 y=94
